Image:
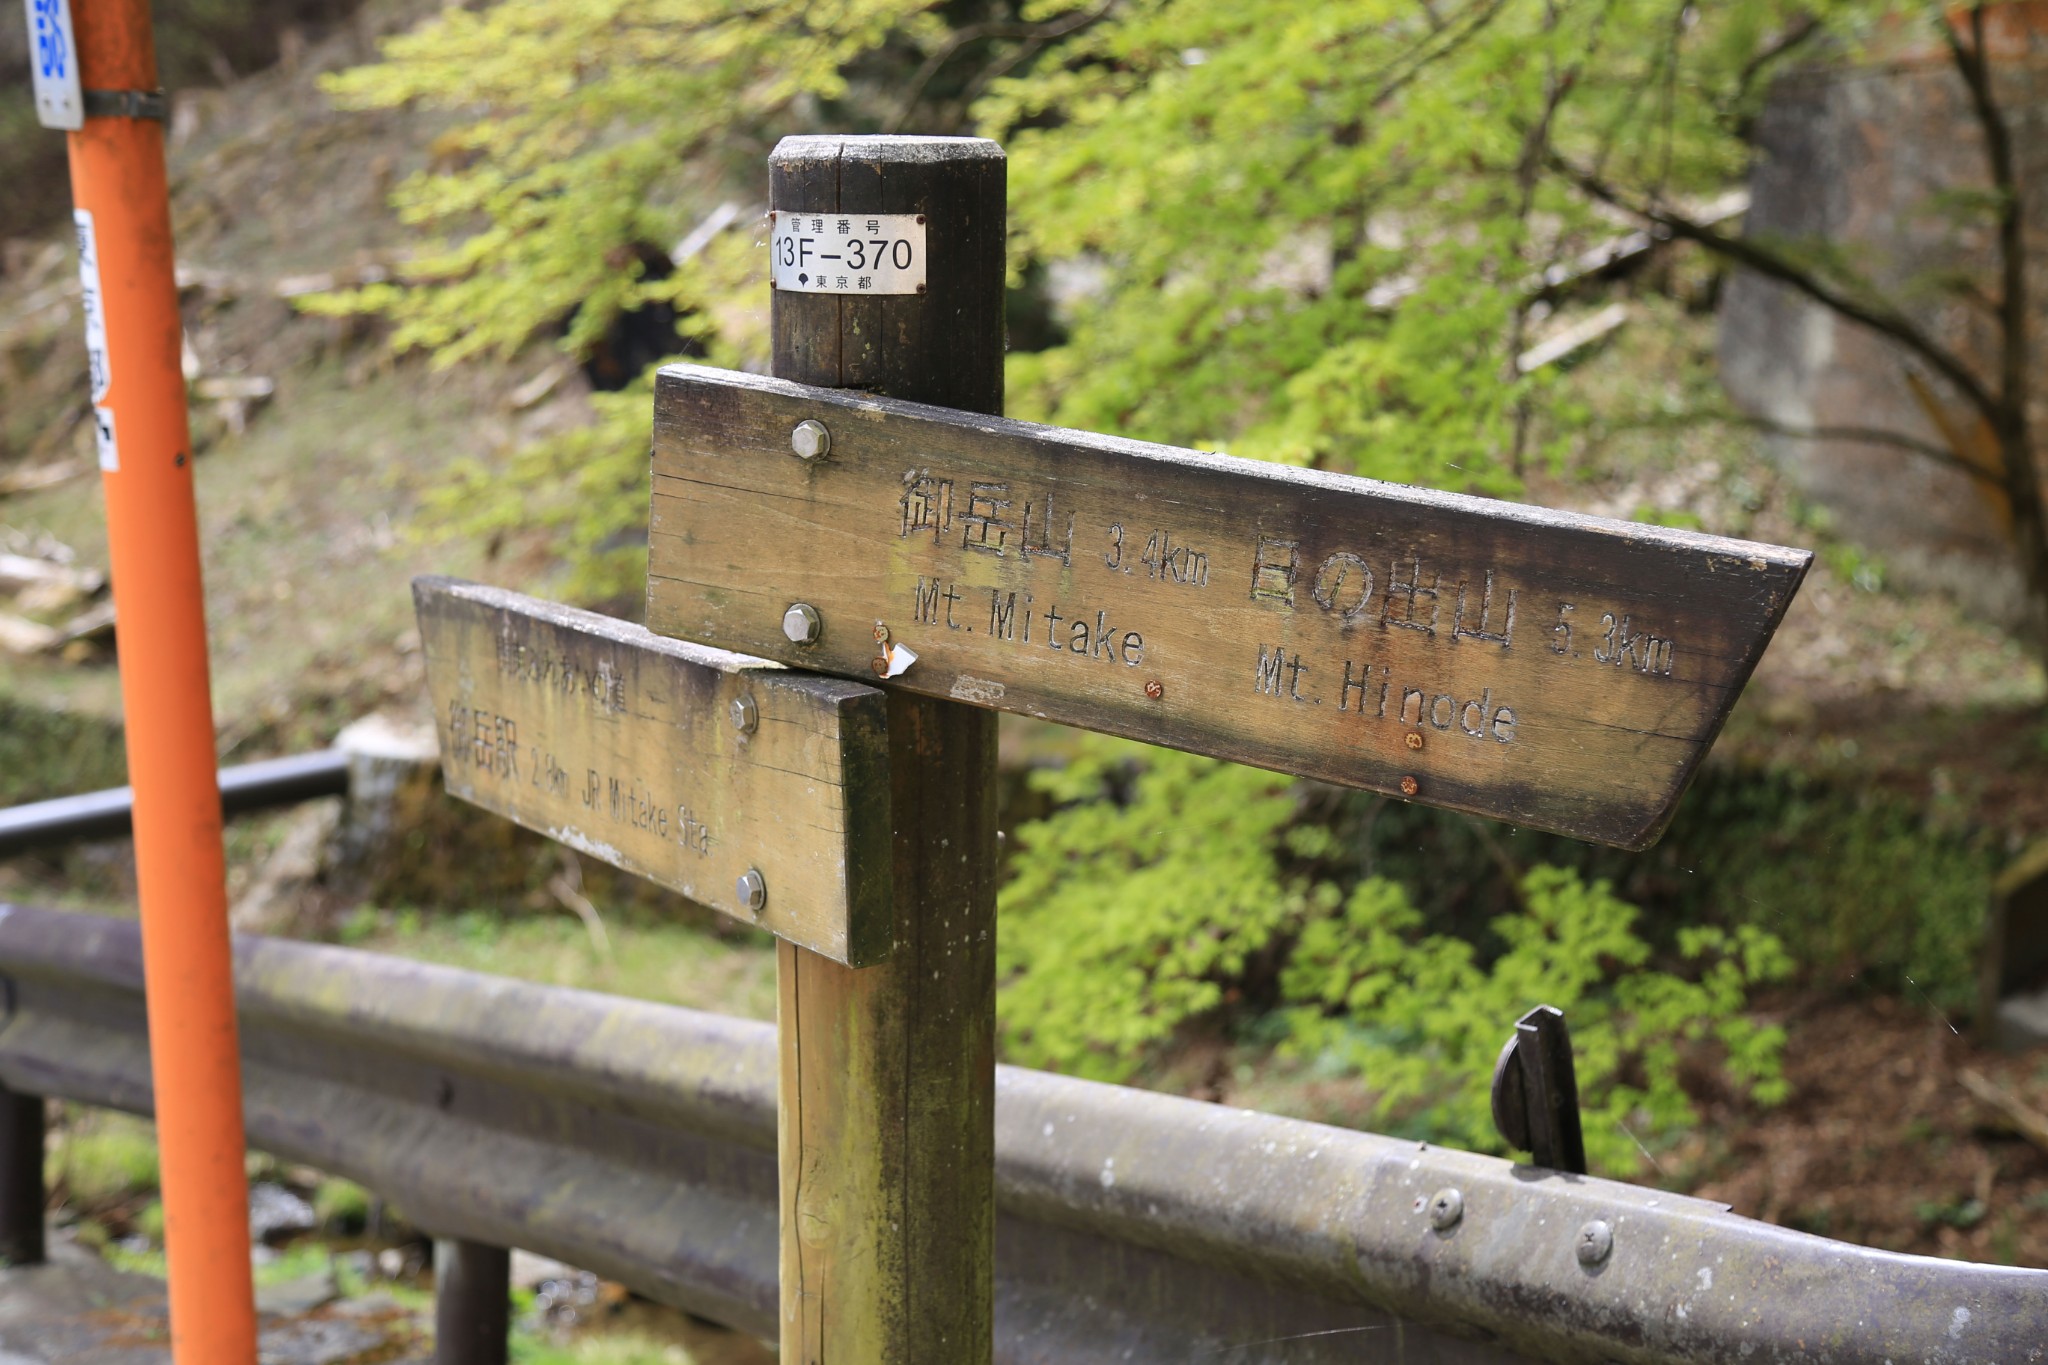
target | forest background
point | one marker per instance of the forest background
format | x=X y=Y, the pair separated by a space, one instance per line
x=1329 y=234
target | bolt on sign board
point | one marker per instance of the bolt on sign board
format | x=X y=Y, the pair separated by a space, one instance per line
x=758 y=791
x=1558 y=671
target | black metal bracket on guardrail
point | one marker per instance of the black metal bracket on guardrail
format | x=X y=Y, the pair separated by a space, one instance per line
x=108 y=814
x=1536 y=1092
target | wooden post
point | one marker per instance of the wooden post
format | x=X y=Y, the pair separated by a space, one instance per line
x=472 y=1302
x=886 y=1124
x=22 y=1196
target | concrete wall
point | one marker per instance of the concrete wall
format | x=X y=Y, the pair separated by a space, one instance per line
x=1859 y=156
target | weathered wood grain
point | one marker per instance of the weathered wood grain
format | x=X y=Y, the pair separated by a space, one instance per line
x=887 y=1106
x=1558 y=671
x=626 y=746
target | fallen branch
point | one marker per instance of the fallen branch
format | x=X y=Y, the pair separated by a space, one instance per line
x=43 y=476
x=1576 y=337
x=2030 y=1122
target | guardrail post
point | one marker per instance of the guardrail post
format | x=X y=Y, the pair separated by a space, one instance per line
x=22 y=1196
x=472 y=1302
x=887 y=1102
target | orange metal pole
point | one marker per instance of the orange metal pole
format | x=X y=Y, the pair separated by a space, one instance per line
x=118 y=186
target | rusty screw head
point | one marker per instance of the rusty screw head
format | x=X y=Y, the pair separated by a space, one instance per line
x=752 y=891
x=745 y=715
x=802 y=624
x=810 y=440
x=1409 y=786
x=1415 y=739
x=1155 y=689
x=1595 y=1244
x=1446 y=1207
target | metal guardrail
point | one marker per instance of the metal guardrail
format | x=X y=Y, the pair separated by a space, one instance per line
x=108 y=814
x=638 y=1140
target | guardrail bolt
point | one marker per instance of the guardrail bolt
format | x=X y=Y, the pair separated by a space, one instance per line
x=1596 y=1242
x=811 y=440
x=752 y=890
x=802 y=624
x=1446 y=1207
x=746 y=717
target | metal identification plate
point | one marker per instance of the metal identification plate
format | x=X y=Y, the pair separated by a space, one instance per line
x=53 y=64
x=875 y=253
x=749 y=788
x=1563 y=672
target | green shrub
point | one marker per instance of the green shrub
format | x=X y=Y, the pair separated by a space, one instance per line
x=1125 y=918
x=627 y=1349
x=102 y=1158
x=341 y=1205
x=1168 y=886
x=1421 y=1020
x=46 y=753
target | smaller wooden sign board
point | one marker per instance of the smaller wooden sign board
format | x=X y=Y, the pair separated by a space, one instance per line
x=1559 y=671
x=758 y=791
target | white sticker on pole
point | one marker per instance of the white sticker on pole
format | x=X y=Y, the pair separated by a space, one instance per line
x=53 y=65
x=830 y=253
x=95 y=305
x=103 y=434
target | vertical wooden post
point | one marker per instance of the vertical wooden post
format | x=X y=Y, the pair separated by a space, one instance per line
x=472 y=1302
x=22 y=1134
x=886 y=1125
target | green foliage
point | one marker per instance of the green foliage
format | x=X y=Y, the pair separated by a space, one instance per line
x=1176 y=887
x=101 y=1159
x=341 y=1205
x=1320 y=228
x=1317 y=231
x=578 y=488
x=1865 y=887
x=46 y=753
x=1901 y=907
x=585 y=130
x=589 y=127
x=627 y=1349
x=1420 y=1019
x=1190 y=877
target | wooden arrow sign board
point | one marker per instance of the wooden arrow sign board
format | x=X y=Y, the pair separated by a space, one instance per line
x=1558 y=671
x=689 y=766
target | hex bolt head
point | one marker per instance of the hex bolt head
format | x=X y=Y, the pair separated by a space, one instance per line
x=811 y=440
x=1446 y=1207
x=802 y=624
x=1596 y=1242
x=746 y=716
x=752 y=891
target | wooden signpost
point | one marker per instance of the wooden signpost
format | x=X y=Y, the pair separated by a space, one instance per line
x=751 y=789
x=1559 y=671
